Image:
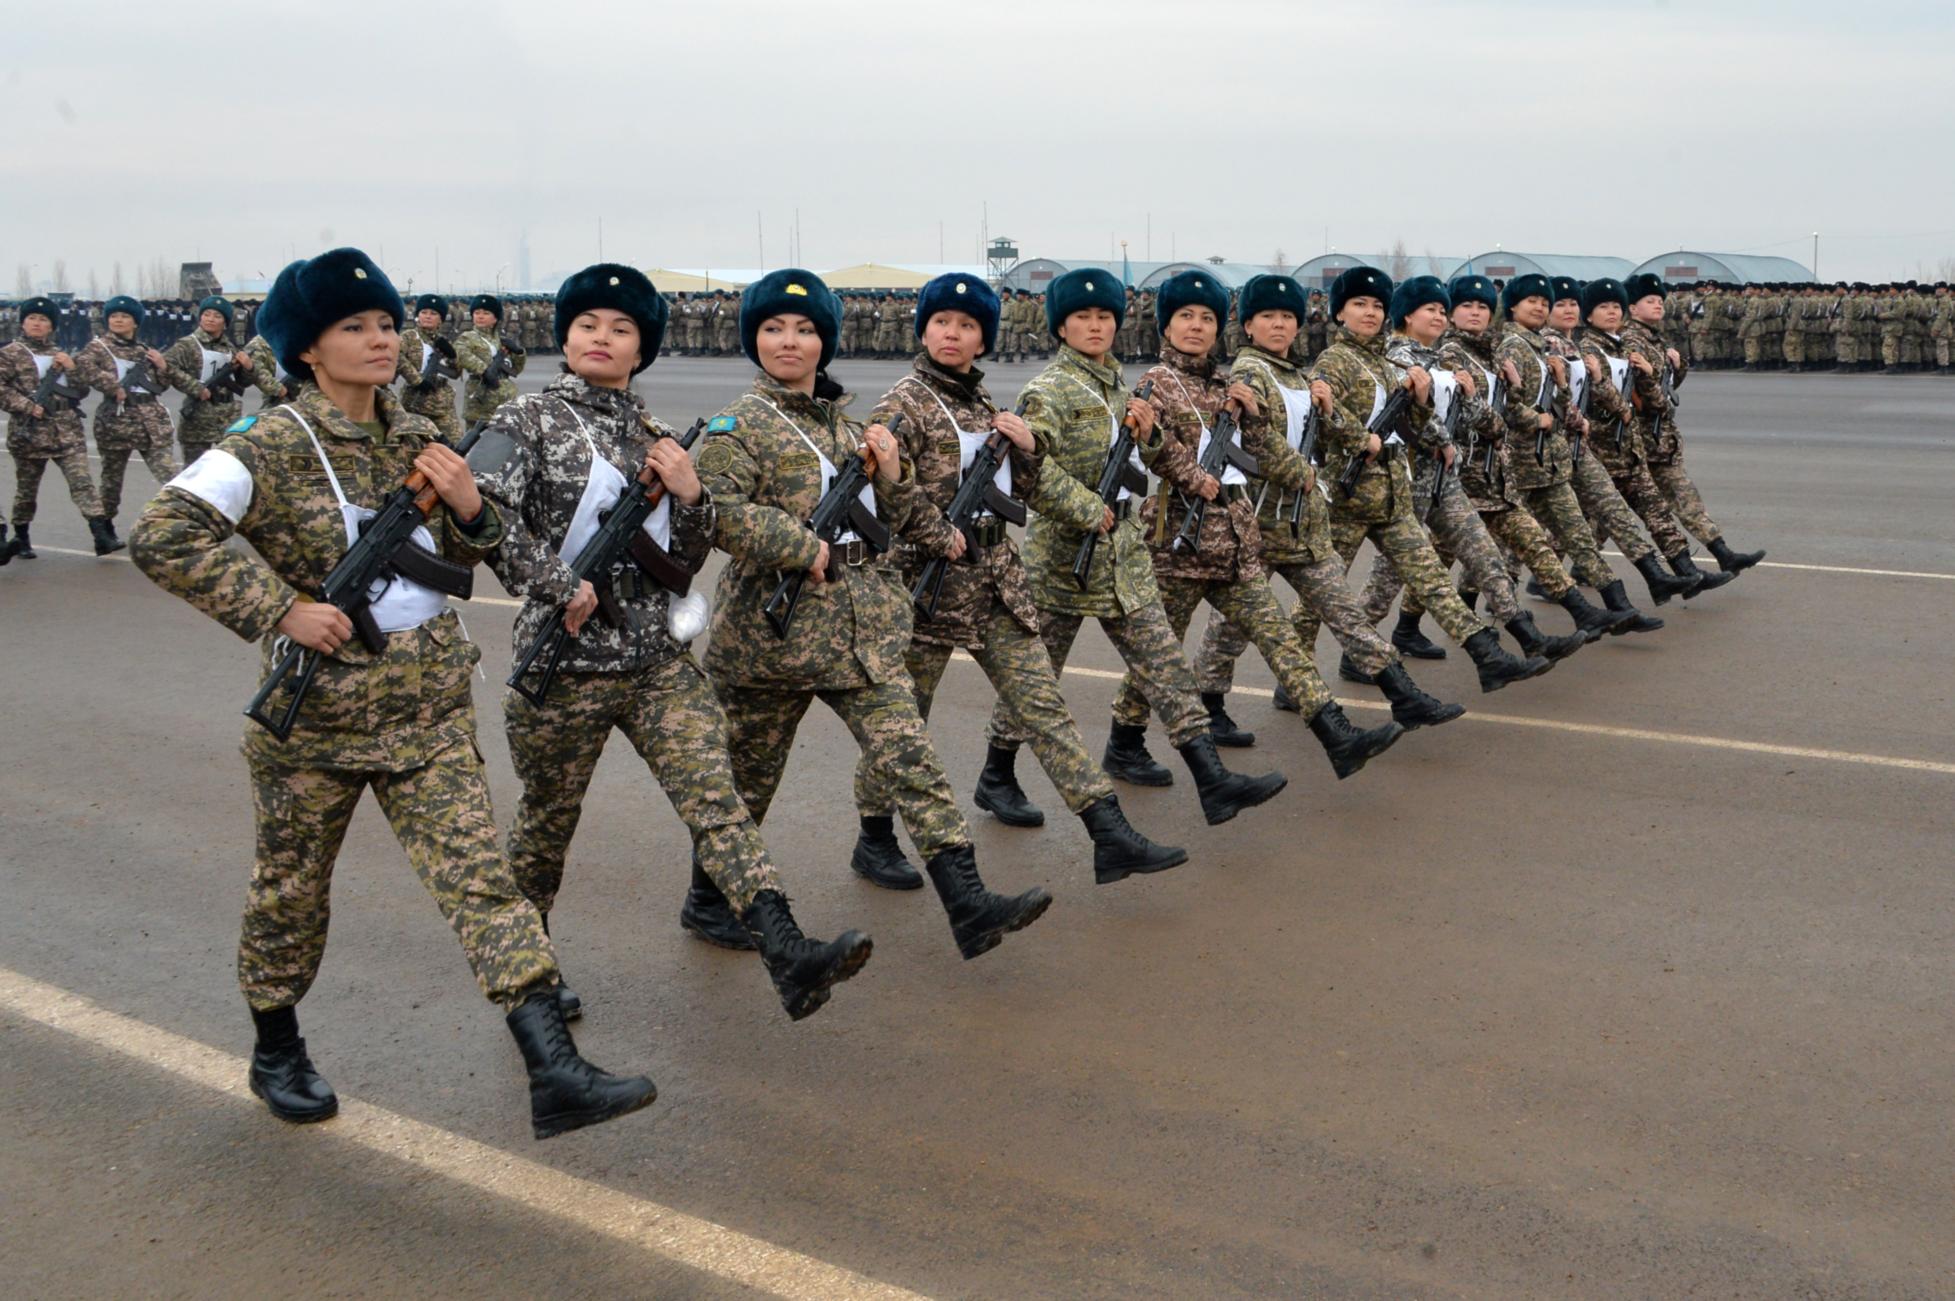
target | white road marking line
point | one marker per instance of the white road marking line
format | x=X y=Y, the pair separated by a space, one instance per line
x=684 y=1239
x=1818 y=569
x=1602 y=729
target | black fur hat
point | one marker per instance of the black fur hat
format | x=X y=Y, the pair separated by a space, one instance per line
x=312 y=293
x=623 y=289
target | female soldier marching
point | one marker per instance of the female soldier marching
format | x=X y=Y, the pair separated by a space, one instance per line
x=767 y=460
x=129 y=421
x=553 y=463
x=297 y=483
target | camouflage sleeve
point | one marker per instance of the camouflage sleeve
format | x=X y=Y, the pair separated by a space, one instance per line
x=1057 y=495
x=505 y=465
x=1519 y=412
x=518 y=360
x=184 y=366
x=1479 y=414
x=1604 y=402
x=1648 y=392
x=18 y=379
x=179 y=544
x=264 y=369
x=95 y=367
x=409 y=372
x=1341 y=432
x=1281 y=464
x=1177 y=427
x=472 y=353
x=906 y=507
x=693 y=530
x=751 y=531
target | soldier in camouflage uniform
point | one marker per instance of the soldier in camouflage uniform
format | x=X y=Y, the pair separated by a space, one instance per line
x=1656 y=422
x=984 y=605
x=551 y=463
x=193 y=360
x=51 y=431
x=1074 y=408
x=126 y=423
x=267 y=376
x=1941 y=329
x=424 y=353
x=399 y=719
x=1220 y=561
x=475 y=350
x=767 y=460
x=726 y=325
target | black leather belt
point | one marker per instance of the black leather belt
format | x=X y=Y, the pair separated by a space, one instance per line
x=848 y=553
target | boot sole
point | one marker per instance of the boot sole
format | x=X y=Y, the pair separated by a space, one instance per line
x=813 y=998
x=1446 y=715
x=990 y=806
x=1217 y=817
x=1420 y=652
x=550 y=1126
x=1128 y=776
x=983 y=942
x=1110 y=875
x=744 y=944
x=1711 y=587
x=1236 y=740
x=292 y=1117
x=913 y=881
x=1346 y=770
x=1487 y=687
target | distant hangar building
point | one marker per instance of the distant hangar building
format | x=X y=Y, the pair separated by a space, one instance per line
x=1686 y=265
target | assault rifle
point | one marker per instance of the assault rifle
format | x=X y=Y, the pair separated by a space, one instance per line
x=1386 y=422
x=1543 y=405
x=52 y=387
x=1222 y=452
x=976 y=494
x=620 y=536
x=1117 y=474
x=227 y=383
x=440 y=363
x=839 y=511
x=386 y=549
x=500 y=366
x=137 y=382
x=1307 y=449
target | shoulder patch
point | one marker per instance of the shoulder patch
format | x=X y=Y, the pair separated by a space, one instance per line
x=714 y=458
x=722 y=424
x=242 y=425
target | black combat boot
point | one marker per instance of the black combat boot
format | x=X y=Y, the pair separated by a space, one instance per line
x=1118 y=850
x=1222 y=727
x=6 y=547
x=21 y=546
x=1347 y=668
x=1524 y=630
x=1684 y=565
x=1283 y=701
x=878 y=858
x=708 y=915
x=1412 y=707
x=1408 y=640
x=1223 y=793
x=1497 y=668
x=565 y=1091
x=1000 y=795
x=1345 y=746
x=283 y=1075
x=106 y=542
x=1617 y=600
x=573 y=1006
x=1127 y=759
x=1734 y=562
x=1590 y=621
x=1663 y=586
x=979 y=919
x=804 y=970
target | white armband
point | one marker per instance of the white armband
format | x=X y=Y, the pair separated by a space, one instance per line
x=220 y=481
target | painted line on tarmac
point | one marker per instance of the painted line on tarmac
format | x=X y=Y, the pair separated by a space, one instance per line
x=673 y=1235
x=1818 y=569
x=1619 y=733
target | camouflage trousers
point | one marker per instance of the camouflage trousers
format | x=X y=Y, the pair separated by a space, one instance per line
x=27 y=484
x=1458 y=533
x=883 y=718
x=1021 y=673
x=1151 y=650
x=1686 y=503
x=440 y=814
x=1405 y=546
x=1607 y=512
x=669 y=714
x=1651 y=507
x=160 y=459
x=1249 y=606
x=1557 y=510
x=1321 y=594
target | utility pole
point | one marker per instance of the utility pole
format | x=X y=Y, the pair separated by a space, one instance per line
x=1815 y=257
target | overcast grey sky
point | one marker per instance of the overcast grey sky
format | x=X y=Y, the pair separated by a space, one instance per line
x=250 y=133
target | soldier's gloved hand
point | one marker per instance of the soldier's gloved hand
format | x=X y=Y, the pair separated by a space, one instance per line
x=577 y=610
x=316 y=626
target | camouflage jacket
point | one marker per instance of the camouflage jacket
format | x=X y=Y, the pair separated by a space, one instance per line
x=272 y=382
x=473 y=353
x=1072 y=407
x=930 y=444
x=533 y=462
x=140 y=423
x=1655 y=424
x=1188 y=396
x=765 y=480
x=435 y=397
x=1612 y=433
x=1534 y=461
x=1429 y=440
x=1361 y=377
x=203 y=422
x=58 y=431
x=1480 y=425
x=389 y=711
x=1306 y=538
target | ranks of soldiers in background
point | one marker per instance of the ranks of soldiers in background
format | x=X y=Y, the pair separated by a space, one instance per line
x=46 y=431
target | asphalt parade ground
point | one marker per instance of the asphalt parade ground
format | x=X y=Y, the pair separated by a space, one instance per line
x=1633 y=982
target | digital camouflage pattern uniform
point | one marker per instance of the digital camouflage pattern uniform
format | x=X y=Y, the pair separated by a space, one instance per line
x=1293 y=525
x=436 y=399
x=985 y=607
x=847 y=642
x=135 y=426
x=54 y=436
x=1608 y=513
x=1225 y=569
x=474 y=351
x=1540 y=467
x=1073 y=407
x=1615 y=444
x=1656 y=426
x=193 y=359
x=533 y=462
x=267 y=376
x=401 y=721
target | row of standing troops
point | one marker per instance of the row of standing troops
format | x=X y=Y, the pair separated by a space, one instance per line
x=1897 y=327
